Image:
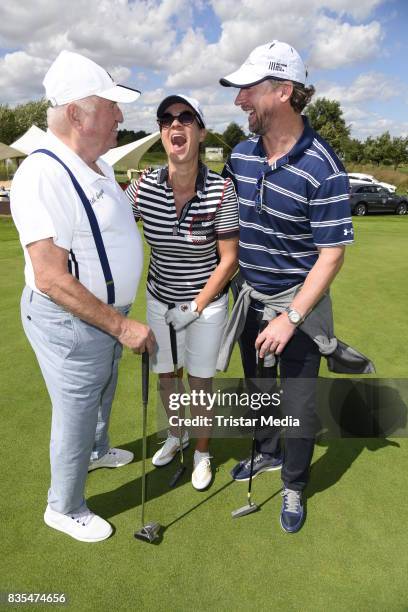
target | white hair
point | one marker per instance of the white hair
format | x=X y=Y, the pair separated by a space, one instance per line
x=57 y=118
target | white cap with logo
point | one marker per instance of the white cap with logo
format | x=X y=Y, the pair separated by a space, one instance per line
x=275 y=60
x=73 y=76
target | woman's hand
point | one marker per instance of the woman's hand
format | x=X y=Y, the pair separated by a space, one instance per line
x=181 y=316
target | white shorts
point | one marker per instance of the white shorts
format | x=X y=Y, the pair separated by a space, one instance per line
x=197 y=345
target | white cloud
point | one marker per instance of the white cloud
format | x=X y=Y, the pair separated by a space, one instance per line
x=157 y=46
x=329 y=41
x=338 y=44
x=357 y=10
x=369 y=86
x=21 y=76
x=195 y=63
x=356 y=97
x=116 y=34
x=109 y=31
x=373 y=124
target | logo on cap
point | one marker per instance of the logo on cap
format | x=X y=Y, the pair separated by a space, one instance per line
x=278 y=66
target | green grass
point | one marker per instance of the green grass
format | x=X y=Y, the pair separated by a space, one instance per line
x=350 y=555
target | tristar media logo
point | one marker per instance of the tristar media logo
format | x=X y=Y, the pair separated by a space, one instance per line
x=278 y=66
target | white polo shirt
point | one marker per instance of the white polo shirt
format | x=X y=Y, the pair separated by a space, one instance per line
x=44 y=204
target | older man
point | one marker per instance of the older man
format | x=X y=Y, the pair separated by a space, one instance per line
x=83 y=260
x=294 y=225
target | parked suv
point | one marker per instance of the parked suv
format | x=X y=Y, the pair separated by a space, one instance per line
x=356 y=177
x=374 y=198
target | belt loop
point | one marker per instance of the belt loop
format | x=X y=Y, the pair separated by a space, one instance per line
x=31 y=296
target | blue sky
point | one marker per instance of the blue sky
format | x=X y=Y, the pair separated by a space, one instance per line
x=355 y=50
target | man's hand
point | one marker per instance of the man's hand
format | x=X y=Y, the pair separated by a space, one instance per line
x=180 y=316
x=137 y=336
x=275 y=336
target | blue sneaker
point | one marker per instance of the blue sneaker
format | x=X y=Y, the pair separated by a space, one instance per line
x=292 y=514
x=262 y=463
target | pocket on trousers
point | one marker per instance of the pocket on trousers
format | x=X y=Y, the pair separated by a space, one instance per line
x=61 y=335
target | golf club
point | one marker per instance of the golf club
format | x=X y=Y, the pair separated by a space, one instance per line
x=251 y=506
x=150 y=531
x=182 y=468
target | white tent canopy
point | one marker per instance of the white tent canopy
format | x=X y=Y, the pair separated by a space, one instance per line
x=30 y=141
x=129 y=155
x=7 y=152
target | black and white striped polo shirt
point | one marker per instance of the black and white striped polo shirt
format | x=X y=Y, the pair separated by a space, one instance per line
x=183 y=250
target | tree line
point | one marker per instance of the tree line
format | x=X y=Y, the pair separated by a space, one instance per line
x=14 y=122
x=325 y=116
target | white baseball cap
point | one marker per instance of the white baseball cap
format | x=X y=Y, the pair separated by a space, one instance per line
x=275 y=60
x=73 y=76
x=191 y=102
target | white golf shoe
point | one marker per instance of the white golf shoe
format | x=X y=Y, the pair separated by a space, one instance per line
x=169 y=449
x=83 y=526
x=202 y=475
x=115 y=457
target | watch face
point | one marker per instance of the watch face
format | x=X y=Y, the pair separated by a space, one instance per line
x=193 y=306
x=294 y=317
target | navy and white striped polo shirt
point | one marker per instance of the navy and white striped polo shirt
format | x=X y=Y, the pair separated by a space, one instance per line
x=288 y=209
x=183 y=250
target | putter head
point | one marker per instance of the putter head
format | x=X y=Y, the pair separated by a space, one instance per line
x=248 y=509
x=148 y=533
x=177 y=476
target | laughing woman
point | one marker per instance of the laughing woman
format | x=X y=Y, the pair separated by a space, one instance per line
x=190 y=221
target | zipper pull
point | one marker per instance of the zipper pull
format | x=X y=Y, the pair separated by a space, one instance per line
x=176 y=229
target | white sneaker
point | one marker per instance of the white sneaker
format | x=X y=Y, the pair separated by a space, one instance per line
x=115 y=457
x=84 y=526
x=201 y=476
x=169 y=449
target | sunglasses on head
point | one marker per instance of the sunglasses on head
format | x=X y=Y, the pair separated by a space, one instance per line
x=185 y=118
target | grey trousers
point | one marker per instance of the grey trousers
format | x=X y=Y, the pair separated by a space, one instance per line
x=79 y=363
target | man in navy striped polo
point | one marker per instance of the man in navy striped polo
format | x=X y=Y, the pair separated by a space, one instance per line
x=294 y=224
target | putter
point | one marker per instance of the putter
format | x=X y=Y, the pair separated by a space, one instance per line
x=182 y=468
x=251 y=506
x=150 y=531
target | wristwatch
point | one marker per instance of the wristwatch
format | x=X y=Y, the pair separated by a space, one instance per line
x=294 y=316
x=193 y=306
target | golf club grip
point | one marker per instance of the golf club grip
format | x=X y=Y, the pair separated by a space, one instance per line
x=145 y=377
x=260 y=365
x=173 y=343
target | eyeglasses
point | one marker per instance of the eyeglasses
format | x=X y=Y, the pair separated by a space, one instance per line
x=259 y=194
x=166 y=120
